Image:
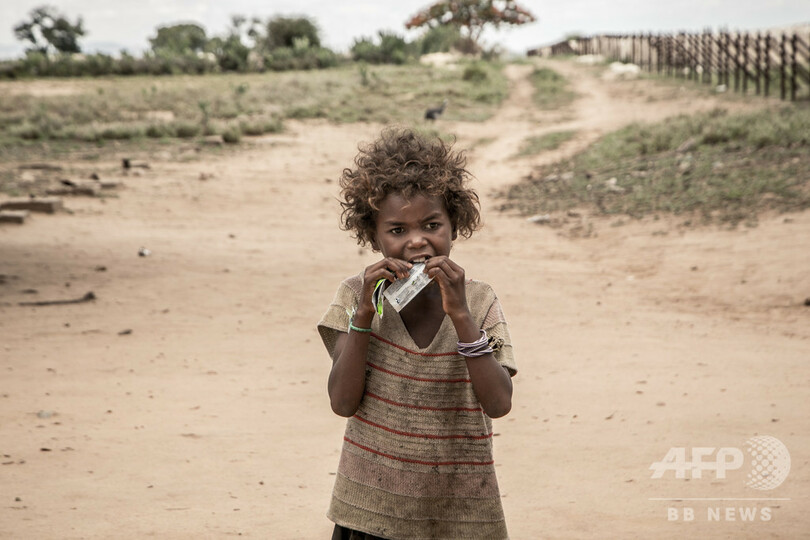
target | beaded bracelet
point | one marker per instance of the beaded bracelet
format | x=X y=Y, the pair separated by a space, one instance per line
x=477 y=348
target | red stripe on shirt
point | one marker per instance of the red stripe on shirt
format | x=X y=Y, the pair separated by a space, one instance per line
x=411 y=377
x=417 y=461
x=380 y=338
x=422 y=407
x=421 y=435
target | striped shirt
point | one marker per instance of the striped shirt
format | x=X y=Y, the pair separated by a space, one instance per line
x=417 y=459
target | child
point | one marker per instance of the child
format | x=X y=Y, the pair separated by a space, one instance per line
x=419 y=386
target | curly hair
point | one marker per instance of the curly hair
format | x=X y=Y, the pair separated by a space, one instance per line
x=404 y=162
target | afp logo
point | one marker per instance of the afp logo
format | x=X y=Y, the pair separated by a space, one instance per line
x=769 y=462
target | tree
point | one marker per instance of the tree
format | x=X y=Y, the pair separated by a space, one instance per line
x=231 y=51
x=393 y=49
x=471 y=15
x=48 y=30
x=285 y=31
x=179 y=39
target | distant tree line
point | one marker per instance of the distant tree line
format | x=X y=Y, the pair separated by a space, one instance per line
x=250 y=44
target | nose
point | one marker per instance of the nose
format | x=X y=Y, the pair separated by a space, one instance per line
x=416 y=239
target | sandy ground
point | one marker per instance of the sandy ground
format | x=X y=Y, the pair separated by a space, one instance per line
x=210 y=418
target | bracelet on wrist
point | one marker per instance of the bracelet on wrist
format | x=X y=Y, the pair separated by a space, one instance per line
x=358 y=329
x=477 y=348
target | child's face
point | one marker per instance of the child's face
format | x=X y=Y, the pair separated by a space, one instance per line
x=413 y=229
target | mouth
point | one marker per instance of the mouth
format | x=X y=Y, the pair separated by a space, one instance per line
x=420 y=259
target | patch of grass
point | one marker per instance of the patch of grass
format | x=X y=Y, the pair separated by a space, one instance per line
x=713 y=167
x=186 y=130
x=475 y=73
x=261 y=125
x=551 y=90
x=167 y=107
x=534 y=145
x=157 y=131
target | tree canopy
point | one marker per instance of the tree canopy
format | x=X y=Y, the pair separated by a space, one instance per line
x=179 y=38
x=284 y=31
x=47 y=29
x=472 y=15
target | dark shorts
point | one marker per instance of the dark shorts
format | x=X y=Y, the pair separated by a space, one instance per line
x=342 y=533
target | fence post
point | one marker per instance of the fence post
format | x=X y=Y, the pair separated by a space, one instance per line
x=656 y=41
x=736 y=63
x=745 y=64
x=759 y=62
x=782 y=61
x=707 y=56
x=728 y=61
x=709 y=48
x=633 y=49
x=670 y=39
x=723 y=62
x=767 y=64
x=793 y=44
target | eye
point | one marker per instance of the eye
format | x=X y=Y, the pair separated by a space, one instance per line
x=396 y=230
x=433 y=226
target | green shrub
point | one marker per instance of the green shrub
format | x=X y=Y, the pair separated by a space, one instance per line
x=391 y=49
x=475 y=73
x=260 y=126
x=232 y=135
x=157 y=131
x=187 y=130
x=27 y=131
x=440 y=38
x=284 y=31
x=121 y=132
x=311 y=111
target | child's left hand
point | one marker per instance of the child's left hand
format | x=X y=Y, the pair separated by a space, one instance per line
x=451 y=281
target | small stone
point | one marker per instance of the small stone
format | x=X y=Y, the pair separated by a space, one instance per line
x=540 y=219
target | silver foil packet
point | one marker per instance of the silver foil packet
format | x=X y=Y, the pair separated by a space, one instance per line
x=402 y=291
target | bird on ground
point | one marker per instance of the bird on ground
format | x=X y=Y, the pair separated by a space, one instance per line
x=435 y=112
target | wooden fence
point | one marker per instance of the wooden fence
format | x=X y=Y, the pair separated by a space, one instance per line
x=748 y=62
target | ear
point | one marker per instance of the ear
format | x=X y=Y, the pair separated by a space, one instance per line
x=455 y=234
x=374 y=245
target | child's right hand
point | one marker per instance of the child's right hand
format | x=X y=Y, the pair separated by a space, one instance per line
x=388 y=268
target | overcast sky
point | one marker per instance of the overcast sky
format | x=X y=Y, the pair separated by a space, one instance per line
x=112 y=25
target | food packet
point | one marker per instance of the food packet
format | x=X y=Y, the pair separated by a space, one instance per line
x=402 y=291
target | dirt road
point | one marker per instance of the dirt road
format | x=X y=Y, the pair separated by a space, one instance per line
x=189 y=399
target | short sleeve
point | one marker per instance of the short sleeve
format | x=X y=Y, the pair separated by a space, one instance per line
x=496 y=328
x=336 y=318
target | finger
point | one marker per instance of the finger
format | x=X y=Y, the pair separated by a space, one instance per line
x=450 y=269
x=444 y=261
x=375 y=273
x=439 y=275
x=389 y=267
x=398 y=267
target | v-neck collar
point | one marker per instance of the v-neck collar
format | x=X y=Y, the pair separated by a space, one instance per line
x=401 y=323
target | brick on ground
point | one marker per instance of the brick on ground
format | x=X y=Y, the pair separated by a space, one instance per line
x=13 y=216
x=48 y=205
